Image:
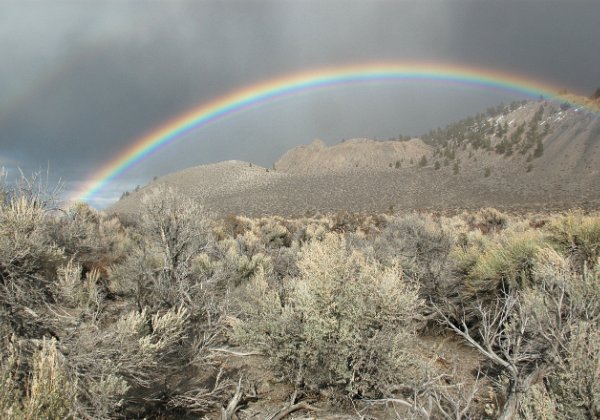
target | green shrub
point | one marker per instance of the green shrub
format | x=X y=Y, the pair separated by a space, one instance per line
x=539 y=149
x=578 y=237
x=506 y=265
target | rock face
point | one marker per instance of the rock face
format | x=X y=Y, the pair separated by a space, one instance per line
x=350 y=154
x=534 y=156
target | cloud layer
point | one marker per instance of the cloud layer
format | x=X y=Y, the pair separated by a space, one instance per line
x=81 y=80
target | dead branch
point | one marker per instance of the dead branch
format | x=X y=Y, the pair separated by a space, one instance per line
x=232 y=407
x=402 y=402
x=292 y=408
x=236 y=353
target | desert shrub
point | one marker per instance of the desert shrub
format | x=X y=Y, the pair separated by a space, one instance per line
x=263 y=236
x=74 y=292
x=575 y=380
x=177 y=226
x=577 y=236
x=536 y=403
x=542 y=340
x=119 y=358
x=344 y=323
x=232 y=226
x=170 y=271
x=170 y=267
x=122 y=362
x=284 y=260
x=234 y=267
x=47 y=393
x=344 y=222
x=129 y=347
x=559 y=279
x=25 y=247
x=138 y=313
x=564 y=320
x=158 y=270
x=516 y=329
x=143 y=361
x=489 y=220
x=32 y=188
x=28 y=263
x=465 y=258
x=10 y=393
x=4 y=188
x=133 y=278
x=51 y=394
x=574 y=383
x=317 y=228
x=93 y=239
x=421 y=245
x=273 y=240
x=273 y=233
x=484 y=270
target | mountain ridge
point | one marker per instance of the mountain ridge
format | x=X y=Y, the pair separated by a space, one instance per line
x=525 y=156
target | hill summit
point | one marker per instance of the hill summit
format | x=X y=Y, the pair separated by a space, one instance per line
x=351 y=154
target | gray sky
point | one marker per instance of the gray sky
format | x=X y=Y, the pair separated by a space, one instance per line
x=81 y=80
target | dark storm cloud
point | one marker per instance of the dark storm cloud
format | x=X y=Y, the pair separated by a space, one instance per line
x=553 y=40
x=81 y=80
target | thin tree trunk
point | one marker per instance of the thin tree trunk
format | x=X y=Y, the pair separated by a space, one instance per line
x=515 y=391
x=509 y=410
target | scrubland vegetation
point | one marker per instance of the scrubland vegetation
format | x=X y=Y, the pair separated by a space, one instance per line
x=175 y=313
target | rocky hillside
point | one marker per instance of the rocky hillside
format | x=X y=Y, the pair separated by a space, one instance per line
x=526 y=156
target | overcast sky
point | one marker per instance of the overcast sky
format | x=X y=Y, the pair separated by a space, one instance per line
x=81 y=80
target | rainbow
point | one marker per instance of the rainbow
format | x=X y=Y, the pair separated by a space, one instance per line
x=269 y=90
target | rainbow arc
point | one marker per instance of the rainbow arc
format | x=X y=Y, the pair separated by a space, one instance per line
x=290 y=85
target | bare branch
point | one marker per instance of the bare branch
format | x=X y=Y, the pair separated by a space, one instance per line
x=292 y=408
